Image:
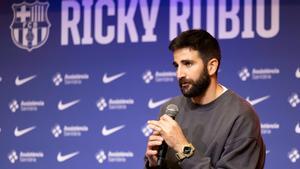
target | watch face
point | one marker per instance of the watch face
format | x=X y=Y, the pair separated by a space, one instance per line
x=187 y=150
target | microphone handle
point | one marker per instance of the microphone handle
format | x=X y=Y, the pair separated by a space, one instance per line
x=162 y=151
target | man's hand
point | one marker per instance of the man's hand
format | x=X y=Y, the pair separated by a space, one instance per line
x=154 y=141
x=170 y=131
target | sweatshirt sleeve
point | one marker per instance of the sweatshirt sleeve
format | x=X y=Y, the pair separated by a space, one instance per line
x=244 y=147
x=244 y=153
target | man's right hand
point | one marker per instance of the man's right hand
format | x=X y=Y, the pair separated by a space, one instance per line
x=154 y=141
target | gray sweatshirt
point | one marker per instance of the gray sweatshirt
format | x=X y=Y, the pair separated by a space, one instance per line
x=225 y=134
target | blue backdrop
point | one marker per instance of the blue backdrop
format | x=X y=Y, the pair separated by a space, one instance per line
x=80 y=78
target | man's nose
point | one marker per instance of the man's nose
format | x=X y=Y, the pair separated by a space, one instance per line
x=180 y=73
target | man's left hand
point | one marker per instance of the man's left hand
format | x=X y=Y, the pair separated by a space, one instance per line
x=170 y=132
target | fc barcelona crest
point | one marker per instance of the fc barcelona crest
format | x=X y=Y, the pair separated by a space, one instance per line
x=30 y=26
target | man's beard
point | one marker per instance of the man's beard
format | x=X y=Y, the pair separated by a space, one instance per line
x=198 y=87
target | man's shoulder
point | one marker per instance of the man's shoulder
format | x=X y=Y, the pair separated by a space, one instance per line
x=238 y=102
x=244 y=110
x=245 y=119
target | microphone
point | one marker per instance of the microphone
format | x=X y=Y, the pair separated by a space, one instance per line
x=171 y=110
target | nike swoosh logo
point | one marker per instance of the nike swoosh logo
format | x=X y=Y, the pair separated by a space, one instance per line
x=62 y=158
x=19 y=133
x=258 y=100
x=107 y=132
x=108 y=79
x=297 y=73
x=20 y=82
x=154 y=104
x=63 y=106
x=297 y=128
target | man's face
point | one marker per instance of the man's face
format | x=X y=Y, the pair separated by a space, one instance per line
x=191 y=72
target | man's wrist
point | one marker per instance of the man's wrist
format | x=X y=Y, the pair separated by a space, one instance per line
x=179 y=147
x=186 y=152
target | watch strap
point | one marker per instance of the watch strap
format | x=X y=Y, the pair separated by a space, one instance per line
x=182 y=155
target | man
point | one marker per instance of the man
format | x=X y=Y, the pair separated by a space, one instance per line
x=215 y=128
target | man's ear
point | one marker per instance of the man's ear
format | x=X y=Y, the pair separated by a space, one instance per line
x=212 y=66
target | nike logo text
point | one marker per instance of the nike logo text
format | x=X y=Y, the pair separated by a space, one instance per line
x=62 y=158
x=107 y=132
x=63 y=106
x=258 y=100
x=19 y=133
x=20 y=82
x=153 y=105
x=109 y=79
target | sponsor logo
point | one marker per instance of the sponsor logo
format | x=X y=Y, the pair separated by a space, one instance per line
x=154 y=104
x=258 y=73
x=293 y=155
x=56 y=131
x=100 y=156
x=258 y=100
x=107 y=132
x=30 y=26
x=244 y=74
x=267 y=128
x=101 y=104
x=22 y=132
x=148 y=76
x=57 y=79
x=31 y=105
x=297 y=128
x=294 y=100
x=119 y=104
x=297 y=73
x=113 y=104
x=13 y=106
x=24 y=157
x=69 y=79
x=13 y=157
x=22 y=81
x=108 y=79
x=113 y=156
x=159 y=76
x=63 y=106
x=147 y=131
x=69 y=131
x=62 y=158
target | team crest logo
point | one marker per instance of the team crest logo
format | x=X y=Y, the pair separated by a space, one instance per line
x=30 y=26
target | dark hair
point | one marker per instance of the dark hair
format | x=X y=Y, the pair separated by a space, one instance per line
x=200 y=40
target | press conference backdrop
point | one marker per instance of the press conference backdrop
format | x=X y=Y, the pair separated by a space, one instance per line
x=80 y=78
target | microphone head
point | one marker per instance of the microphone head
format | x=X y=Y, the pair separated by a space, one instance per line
x=172 y=110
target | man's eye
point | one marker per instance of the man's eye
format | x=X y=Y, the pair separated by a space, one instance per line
x=189 y=64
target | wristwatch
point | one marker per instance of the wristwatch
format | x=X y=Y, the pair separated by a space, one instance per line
x=187 y=151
